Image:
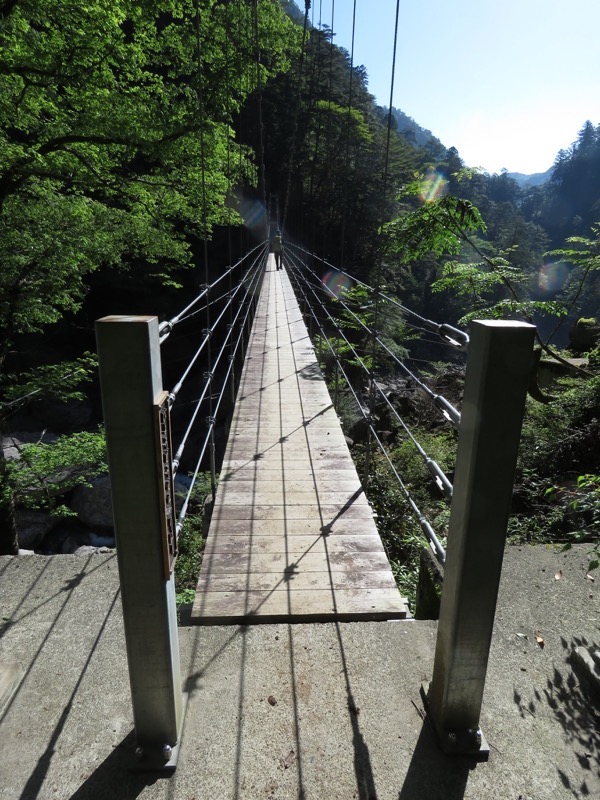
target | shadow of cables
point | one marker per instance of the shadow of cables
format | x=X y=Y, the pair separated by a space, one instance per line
x=363 y=768
x=433 y=775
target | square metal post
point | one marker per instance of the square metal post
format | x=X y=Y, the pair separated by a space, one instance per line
x=497 y=377
x=131 y=383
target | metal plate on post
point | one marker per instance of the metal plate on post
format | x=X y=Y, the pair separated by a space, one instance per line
x=162 y=414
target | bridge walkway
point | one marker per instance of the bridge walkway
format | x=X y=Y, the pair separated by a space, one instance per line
x=292 y=536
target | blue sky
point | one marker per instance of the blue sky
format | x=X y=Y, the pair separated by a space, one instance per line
x=507 y=82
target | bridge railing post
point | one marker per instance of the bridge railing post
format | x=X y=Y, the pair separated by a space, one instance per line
x=497 y=377
x=131 y=383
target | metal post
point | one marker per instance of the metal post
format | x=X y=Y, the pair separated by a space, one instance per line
x=497 y=376
x=131 y=382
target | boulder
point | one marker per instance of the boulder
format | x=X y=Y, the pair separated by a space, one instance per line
x=93 y=504
x=584 y=335
x=12 y=443
x=33 y=526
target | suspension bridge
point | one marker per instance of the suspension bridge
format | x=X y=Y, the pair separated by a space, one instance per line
x=292 y=535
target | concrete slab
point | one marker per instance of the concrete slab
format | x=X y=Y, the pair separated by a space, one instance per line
x=320 y=712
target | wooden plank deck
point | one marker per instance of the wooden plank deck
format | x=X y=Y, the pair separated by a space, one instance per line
x=292 y=536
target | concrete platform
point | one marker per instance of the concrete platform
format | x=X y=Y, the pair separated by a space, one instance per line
x=320 y=712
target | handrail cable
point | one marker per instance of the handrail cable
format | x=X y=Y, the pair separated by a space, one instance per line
x=433 y=467
x=422 y=520
x=205 y=341
x=453 y=336
x=167 y=326
x=200 y=400
x=451 y=414
x=184 y=507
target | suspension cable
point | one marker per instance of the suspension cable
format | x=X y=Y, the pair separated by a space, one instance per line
x=450 y=413
x=433 y=467
x=205 y=341
x=184 y=507
x=424 y=524
x=296 y=112
x=448 y=333
x=167 y=326
x=228 y=341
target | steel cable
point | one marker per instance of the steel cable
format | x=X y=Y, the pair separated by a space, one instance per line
x=183 y=511
x=424 y=523
x=433 y=467
x=451 y=414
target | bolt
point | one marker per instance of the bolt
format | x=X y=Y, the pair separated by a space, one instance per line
x=139 y=753
x=167 y=752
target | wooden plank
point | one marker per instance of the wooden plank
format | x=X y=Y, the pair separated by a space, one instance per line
x=326 y=513
x=301 y=543
x=232 y=563
x=222 y=608
x=293 y=574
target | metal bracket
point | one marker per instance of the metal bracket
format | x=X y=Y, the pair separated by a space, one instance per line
x=460 y=742
x=166 y=488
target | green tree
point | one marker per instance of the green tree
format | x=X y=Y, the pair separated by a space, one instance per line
x=115 y=127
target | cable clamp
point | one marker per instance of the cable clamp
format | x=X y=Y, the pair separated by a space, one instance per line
x=208 y=376
x=453 y=336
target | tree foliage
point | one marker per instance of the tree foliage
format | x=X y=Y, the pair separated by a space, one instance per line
x=117 y=146
x=114 y=132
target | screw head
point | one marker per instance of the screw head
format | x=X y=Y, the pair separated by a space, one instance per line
x=139 y=753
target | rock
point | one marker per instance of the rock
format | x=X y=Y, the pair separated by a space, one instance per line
x=84 y=550
x=97 y=541
x=33 y=526
x=11 y=443
x=93 y=504
x=69 y=545
x=584 y=335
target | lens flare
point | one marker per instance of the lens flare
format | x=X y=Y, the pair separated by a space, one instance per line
x=336 y=282
x=553 y=277
x=253 y=214
x=433 y=186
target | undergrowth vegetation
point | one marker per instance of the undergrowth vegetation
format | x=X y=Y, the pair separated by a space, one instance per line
x=557 y=483
x=191 y=541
